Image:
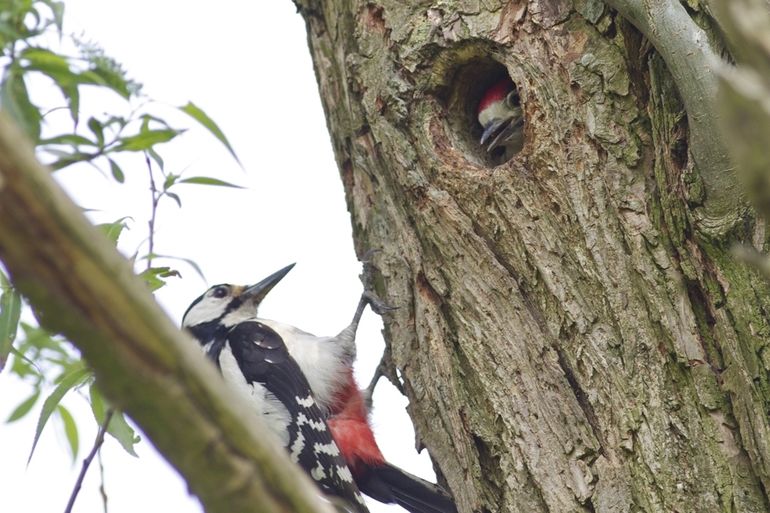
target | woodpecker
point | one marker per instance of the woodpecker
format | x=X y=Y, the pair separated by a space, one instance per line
x=500 y=115
x=254 y=360
x=327 y=363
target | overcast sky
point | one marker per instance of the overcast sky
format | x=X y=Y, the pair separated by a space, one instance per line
x=247 y=64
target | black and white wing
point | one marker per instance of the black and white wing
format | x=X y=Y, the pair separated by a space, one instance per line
x=264 y=362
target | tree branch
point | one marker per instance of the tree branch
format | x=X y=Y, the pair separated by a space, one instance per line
x=88 y=459
x=81 y=287
x=744 y=97
x=694 y=65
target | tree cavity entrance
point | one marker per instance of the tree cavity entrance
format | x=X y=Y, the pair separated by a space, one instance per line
x=485 y=114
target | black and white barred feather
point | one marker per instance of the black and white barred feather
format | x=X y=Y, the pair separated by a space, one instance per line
x=264 y=361
x=255 y=361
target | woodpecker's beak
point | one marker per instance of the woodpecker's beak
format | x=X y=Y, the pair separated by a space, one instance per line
x=501 y=131
x=256 y=293
x=491 y=128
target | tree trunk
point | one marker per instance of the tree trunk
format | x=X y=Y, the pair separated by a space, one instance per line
x=574 y=333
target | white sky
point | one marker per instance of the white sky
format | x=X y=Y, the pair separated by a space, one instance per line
x=247 y=65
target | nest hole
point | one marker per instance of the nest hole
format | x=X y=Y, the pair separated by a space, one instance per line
x=471 y=84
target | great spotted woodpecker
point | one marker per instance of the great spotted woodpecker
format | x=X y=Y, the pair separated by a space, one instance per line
x=254 y=360
x=500 y=115
x=327 y=363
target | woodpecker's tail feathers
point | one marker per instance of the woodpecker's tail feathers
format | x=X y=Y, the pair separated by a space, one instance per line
x=390 y=484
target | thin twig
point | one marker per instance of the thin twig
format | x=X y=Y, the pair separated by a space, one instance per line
x=153 y=213
x=102 y=488
x=87 y=461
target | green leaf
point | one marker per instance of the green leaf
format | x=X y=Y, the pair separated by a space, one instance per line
x=98 y=130
x=57 y=8
x=70 y=430
x=188 y=261
x=157 y=158
x=10 y=313
x=73 y=158
x=37 y=337
x=110 y=78
x=46 y=61
x=146 y=118
x=9 y=30
x=73 y=378
x=114 y=229
x=154 y=277
x=118 y=428
x=117 y=173
x=97 y=403
x=23 y=366
x=24 y=407
x=207 y=180
x=14 y=98
x=201 y=117
x=175 y=197
x=170 y=180
x=123 y=433
x=145 y=140
x=58 y=69
x=73 y=139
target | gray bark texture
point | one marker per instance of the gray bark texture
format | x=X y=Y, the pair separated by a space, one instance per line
x=574 y=332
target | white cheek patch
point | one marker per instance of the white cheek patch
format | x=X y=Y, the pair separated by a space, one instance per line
x=208 y=309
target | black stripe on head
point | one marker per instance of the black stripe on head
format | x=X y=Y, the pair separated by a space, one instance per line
x=229 y=308
x=205 y=332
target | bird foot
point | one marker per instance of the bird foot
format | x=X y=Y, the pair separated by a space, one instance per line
x=377 y=305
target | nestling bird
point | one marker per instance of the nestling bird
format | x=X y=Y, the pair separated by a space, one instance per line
x=327 y=362
x=254 y=360
x=501 y=117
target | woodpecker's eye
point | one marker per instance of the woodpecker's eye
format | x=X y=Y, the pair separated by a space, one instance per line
x=220 y=292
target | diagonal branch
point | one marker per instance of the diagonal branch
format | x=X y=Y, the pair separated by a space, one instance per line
x=745 y=94
x=693 y=63
x=81 y=287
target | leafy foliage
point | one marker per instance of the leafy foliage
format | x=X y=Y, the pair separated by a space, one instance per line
x=35 y=50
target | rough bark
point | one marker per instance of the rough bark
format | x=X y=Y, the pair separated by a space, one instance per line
x=574 y=335
x=80 y=286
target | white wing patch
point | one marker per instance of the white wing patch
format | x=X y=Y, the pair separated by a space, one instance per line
x=323 y=360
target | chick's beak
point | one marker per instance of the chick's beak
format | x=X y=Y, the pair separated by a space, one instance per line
x=256 y=293
x=491 y=128
x=499 y=132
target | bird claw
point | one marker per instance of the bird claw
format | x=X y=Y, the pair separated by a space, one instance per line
x=368 y=297
x=377 y=305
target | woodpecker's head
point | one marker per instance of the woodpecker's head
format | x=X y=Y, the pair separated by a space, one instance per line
x=501 y=117
x=224 y=306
